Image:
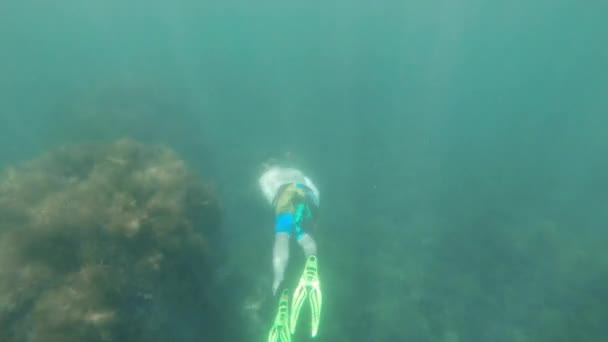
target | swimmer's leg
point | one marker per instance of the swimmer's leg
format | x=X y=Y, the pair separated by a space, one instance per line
x=308 y=244
x=280 y=257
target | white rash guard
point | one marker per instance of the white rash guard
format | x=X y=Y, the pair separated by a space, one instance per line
x=276 y=176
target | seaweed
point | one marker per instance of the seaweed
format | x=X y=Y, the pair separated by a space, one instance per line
x=107 y=242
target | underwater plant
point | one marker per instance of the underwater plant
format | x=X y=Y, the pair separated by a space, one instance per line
x=107 y=242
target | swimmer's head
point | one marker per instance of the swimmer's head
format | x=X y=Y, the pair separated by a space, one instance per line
x=269 y=163
x=284 y=160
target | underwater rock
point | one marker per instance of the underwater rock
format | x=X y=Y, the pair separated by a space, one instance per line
x=107 y=242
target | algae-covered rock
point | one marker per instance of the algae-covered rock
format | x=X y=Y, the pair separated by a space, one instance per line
x=106 y=243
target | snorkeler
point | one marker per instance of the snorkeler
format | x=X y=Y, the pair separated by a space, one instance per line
x=295 y=200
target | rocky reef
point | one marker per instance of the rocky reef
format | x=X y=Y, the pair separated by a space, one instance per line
x=107 y=242
x=492 y=278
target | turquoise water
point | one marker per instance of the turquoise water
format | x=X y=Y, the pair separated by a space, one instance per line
x=459 y=146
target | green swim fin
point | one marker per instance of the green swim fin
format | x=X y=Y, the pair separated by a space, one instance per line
x=280 y=331
x=308 y=287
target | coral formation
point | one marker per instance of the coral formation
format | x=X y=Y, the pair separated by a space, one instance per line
x=106 y=242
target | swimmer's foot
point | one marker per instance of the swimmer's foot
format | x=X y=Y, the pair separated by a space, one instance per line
x=308 y=288
x=280 y=331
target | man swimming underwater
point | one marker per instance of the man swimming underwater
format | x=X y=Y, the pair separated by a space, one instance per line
x=295 y=200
